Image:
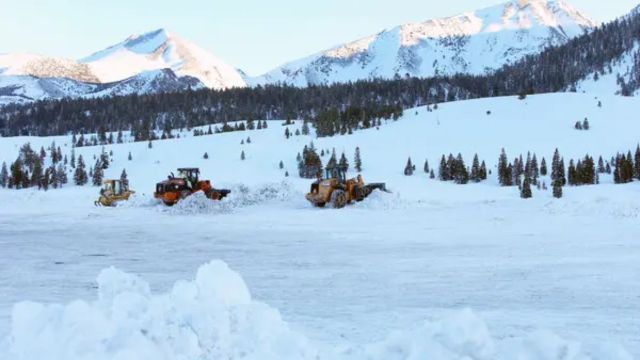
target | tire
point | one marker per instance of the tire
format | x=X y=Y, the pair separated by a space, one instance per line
x=184 y=194
x=338 y=199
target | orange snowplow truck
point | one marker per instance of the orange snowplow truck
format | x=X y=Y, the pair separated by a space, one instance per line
x=187 y=183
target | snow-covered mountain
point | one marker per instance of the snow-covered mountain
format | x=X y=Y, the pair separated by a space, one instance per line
x=157 y=50
x=473 y=42
x=26 y=88
x=157 y=61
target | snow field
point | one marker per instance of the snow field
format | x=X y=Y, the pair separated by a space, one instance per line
x=215 y=317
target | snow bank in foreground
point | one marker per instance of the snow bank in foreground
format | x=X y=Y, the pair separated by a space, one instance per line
x=214 y=317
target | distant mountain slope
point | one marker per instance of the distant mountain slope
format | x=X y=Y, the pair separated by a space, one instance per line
x=25 y=88
x=470 y=43
x=157 y=50
x=44 y=67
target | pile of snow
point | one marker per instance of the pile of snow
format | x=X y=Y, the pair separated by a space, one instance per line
x=240 y=196
x=211 y=317
x=215 y=317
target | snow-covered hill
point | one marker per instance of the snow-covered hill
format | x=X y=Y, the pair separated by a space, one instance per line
x=157 y=50
x=344 y=278
x=24 y=88
x=472 y=43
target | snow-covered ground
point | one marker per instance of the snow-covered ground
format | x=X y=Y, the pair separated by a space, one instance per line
x=343 y=280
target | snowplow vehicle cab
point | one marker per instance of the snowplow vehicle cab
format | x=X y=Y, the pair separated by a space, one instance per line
x=338 y=191
x=186 y=183
x=112 y=192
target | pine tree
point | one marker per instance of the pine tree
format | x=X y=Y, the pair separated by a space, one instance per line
x=408 y=169
x=61 y=175
x=585 y=124
x=443 y=171
x=543 y=167
x=432 y=175
x=150 y=145
x=305 y=128
x=205 y=156
x=357 y=161
x=287 y=134
x=426 y=166
x=483 y=171
x=73 y=159
x=80 y=175
x=242 y=156
x=264 y=124
x=18 y=177
x=572 y=174
x=124 y=178
x=129 y=157
x=525 y=193
x=601 y=167
x=505 y=176
x=4 y=176
x=461 y=175
x=343 y=165
x=475 y=169
x=281 y=165
x=557 y=188
x=104 y=160
x=249 y=140
x=37 y=174
x=98 y=174
x=286 y=174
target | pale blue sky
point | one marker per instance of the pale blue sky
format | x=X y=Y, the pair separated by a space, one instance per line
x=253 y=35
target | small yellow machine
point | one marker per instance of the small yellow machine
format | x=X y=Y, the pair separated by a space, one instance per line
x=113 y=191
x=339 y=191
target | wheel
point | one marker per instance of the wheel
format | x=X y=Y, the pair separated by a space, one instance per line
x=359 y=193
x=338 y=199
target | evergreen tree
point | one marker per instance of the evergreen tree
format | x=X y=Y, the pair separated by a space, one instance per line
x=119 y=137
x=475 y=169
x=601 y=167
x=104 y=160
x=483 y=171
x=543 y=167
x=80 y=175
x=73 y=159
x=129 y=157
x=408 y=169
x=443 y=171
x=287 y=134
x=572 y=173
x=281 y=165
x=525 y=193
x=460 y=172
x=305 y=128
x=310 y=164
x=343 y=165
x=242 y=156
x=585 y=124
x=37 y=174
x=557 y=188
x=18 y=177
x=98 y=174
x=124 y=178
x=249 y=140
x=505 y=176
x=4 y=176
x=426 y=166
x=61 y=175
x=432 y=175
x=205 y=156
x=150 y=145
x=357 y=161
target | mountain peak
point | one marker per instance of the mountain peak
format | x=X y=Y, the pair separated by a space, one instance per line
x=473 y=42
x=162 y=49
